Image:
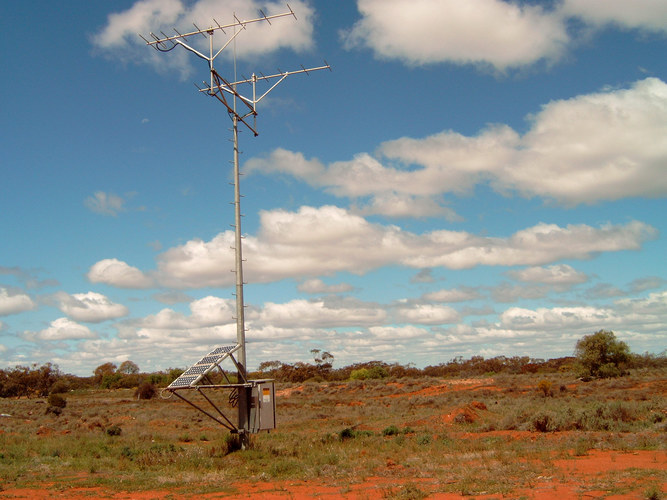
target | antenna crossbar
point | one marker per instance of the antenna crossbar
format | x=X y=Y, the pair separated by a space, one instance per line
x=199 y=31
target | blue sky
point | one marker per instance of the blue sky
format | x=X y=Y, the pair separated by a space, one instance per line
x=472 y=178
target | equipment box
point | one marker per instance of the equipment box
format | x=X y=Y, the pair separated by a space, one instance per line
x=262 y=406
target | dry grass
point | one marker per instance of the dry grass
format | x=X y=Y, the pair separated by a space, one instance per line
x=465 y=437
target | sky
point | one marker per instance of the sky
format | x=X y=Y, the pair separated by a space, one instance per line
x=478 y=177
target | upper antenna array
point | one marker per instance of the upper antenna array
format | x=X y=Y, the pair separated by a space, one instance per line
x=219 y=87
x=246 y=392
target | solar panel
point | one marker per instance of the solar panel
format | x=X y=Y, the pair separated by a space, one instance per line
x=208 y=360
x=225 y=349
x=184 y=381
x=198 y=369
x=196 y=372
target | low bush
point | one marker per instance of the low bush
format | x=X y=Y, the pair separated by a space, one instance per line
x=56 y=400
x=113 y=430
x=145 y=391
x=392 y=430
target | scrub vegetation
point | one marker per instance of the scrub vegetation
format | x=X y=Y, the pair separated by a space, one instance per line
x=514 y=427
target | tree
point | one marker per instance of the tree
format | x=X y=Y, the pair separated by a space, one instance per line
x=128 y=368
x=102 y=370
x=601 y=355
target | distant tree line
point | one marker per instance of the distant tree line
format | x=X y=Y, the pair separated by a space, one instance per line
x=599 y=355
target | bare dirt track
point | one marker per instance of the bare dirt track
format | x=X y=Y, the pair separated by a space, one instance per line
x=422 y=439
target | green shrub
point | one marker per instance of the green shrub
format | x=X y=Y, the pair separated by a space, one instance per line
x=653 y=493
x=600 y=355
x=392 y=430
x=60 y=387
x=544 y=422
x=424 y=439
x=544 y=386
x=347 y=433
x=114 y=430
x=145 y=391
x=374 y=372
x=231 y=443
x=56 y=400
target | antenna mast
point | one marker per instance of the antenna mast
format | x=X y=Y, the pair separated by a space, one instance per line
x=227 y=92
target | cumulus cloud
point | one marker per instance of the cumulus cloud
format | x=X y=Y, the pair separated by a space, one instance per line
x=321 y=313
x=117 y=273
x=488 y=32
x=61 y=329
x=90 y=307
x=119 y=37
x=507 y=292
x=427 y=314
x=650 y=15
x=316 y=285
x=647 y=283
x=14 y=303
x=105 y=203
x=603 y=146
x=462 y=294
x=516 y=318
x=358 y=331
x=325 y=240
x=206 y=312
x=561 y=274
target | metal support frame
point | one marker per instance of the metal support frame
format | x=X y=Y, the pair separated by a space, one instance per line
x=221 y=88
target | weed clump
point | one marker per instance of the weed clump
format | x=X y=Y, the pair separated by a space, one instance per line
x=113 y=430
x=145 y=391
x=56 y=403
x=544 y=386
x=350 y=433
x=392 y=430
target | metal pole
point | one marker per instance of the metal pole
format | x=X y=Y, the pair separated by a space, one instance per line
x=243 y=396
x=240 y=308
x=218 y=87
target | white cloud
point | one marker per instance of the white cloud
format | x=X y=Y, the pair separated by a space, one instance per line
x=316 y=285
x=396 y=334
x=206 y=312
x=650 y=310
x=61 y=329
x=105 y=203
x=506 y=292
x=647 y=283
x=321 y=313
x=486 y=32
x=638 y=315
x=427 y=314
x=119 y=37
x=326 y=240
x=517 y=318
x=561 y=274
x=648 y=15
x=603 y=146
x=117 y=273
x=90 y=307
x=14 y=303
x=357 y=331
x=462 y=294
x=405 y=205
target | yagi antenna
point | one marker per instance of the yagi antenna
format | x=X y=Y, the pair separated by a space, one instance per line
x=249 y=395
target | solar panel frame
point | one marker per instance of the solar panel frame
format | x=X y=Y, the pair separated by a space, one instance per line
x=194 y=374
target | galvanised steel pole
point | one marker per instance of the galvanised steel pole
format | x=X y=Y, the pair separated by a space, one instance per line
x=240 y=307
